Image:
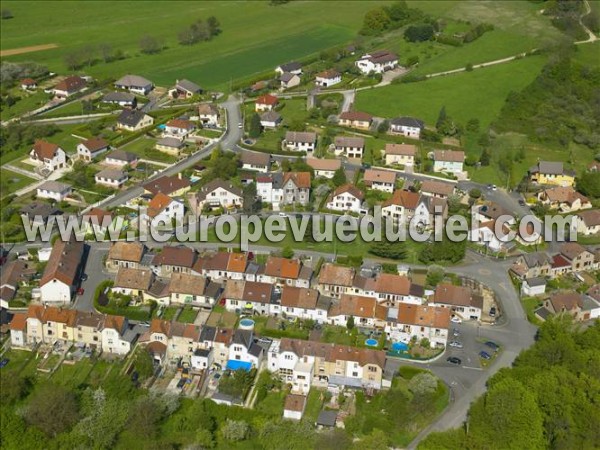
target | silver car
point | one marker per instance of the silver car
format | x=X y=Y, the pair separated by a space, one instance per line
x=456 y=344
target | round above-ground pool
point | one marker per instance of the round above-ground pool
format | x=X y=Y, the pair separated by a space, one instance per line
x=371 y=342
x=246 y=324
x=399 y=346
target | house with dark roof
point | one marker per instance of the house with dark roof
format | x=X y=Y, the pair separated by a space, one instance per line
x=551 y=173
x=62 y=272
x=217 y=193
x=135 y=84
x=532 y=265
x=407 y=126
x=172 y=185
x=270 y=119
x=37 y=212
x=244 y=349
x=54 y=190
x=91 y=148
x=377 y=62
x=250 y=296
x=290 y=67
x=112 y=178
x=134 y=120
x=121 y=158
x=289 y=80
x=184 y=89
x=125 y=99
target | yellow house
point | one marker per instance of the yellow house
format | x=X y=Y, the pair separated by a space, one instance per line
x=551 y=172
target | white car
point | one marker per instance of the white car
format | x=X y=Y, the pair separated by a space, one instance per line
x=455 y=344
x=456 y=319
x=240 y=125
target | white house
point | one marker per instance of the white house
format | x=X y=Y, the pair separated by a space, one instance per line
x=381 y=180
x=328 y=78
x=366 y=311
x=407 y=126
x=351 y=147
x=208 y=113
x=135 y=84
x=120 y=98
x=260 y=162
x=202 y=359
x=324 y=167
x=304 y=303
x=461 y=300
x=69 y=86
x=48 y=155
x=61 y=275
x=243 y=348
x=421 y=321
x=448 y=161
x=533 y=286
x=270 y=119
x=163 y=209
x=53 y=190
x=403 y=154
x=184 y=89
x=111 y=178
x=291 y=67
x=219 y=193
x=377 y=62
x=121 y=158
x=485 y=235
x=249 y=296
x=178 y=128
x=289 y=80
x=18 y=326
x=265 y=103
x=91 y=148
x=401 y=206
x=300 y=141
x=588 y=222
x=346 y=198
x=113 y=333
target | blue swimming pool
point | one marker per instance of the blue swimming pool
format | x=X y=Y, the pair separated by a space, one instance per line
x=162 y=126
x=399 y=346
x=234 y=364
x=371 y=342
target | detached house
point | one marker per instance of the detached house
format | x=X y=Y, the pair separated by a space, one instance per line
x=351 y=147
x=163 y=209
x=178 y=128
x=28 y=84
x=588 y=222
x=265 y=103
x=407 y=126
x=135 y=84
x=565 y=199
x=291 y=67
x=422 y=322
x=184 y=89
x=170 y=145
x=208 y=113
x=403 y=154
x=295 y=188
x=54 y=190
x=356 y=119
x=124 y=99
x=459 y=299
x=218 y=193
x=270 y=119
x=69 y=86
x=346 y=198
x=62 y=272
x=401 y=206
x=48 y=155
x=91 y=148
x=261 y=162
x=324 y=167
x=111 y=178
x=448 y=161
x=289 y=80
x=377 y=62
x=550 y=172
x=174 y=185
x=328 y=78
x=134 y=120
x=300 y=141
x=439 y=189
x=381 y=180
x=121 y=158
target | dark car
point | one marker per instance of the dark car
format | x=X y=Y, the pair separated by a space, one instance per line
x=84 y=277
x=4 y=362
x=484 y=355
x=492 y=345
x=454 y=360
x=522 y=202
x=80 y=291
x=493 y=311
x=181 y=383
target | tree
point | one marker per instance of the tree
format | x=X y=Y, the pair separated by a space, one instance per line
x=53 y=409
x=143 y=364
x=589 y=184
x=377 y=440
x=469 y=67
x=251 y=200
x=445 y=250
x=235 y=430
x=475 y=193
x=484 y=159
x=473 y=125
x=383 y=126
x=387 y=249
x=350 y=323
x=14 y=388
x=435 y=274
x=419 y=33
x=287 y=252
x=442 y=117
x=73 y=60
x=150 y=44
x=375 y=22
x=6 y=14
x=412 y=60
x=339 y=177
x=423 y=383
x=214 y=26
x=255 y=126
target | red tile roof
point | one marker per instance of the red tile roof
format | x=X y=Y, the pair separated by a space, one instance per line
x=267 y=99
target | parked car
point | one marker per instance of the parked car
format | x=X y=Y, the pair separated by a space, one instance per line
x=492 y=345
x=4 y=362
x=454 y=360
x=456 y=319
x=455 y=332
x=455 y=344
x=84 y=277
x=484 y=355
x=522 y=202
x=493 y=311
x=80 y=291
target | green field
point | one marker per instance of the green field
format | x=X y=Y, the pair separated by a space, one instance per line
x=477 y=94
x=256 y=36
x=12 y=181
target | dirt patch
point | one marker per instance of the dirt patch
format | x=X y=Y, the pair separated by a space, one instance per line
x=21 y=50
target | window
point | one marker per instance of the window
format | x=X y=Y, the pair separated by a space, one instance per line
x=372 y=369
x=354 y=374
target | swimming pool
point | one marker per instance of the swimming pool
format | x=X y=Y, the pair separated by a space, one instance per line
x=234 y=364
x=246 y=324
x=371 y=342
x=399 y=346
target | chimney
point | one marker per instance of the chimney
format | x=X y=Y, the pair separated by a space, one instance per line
x=179 y=175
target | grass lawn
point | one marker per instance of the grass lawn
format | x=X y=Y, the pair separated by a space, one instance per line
x=144 y=148
x=530 y=304
x=314 y=403
x=477 y=94
x=28 y=101
x=20 y=362
x=272 y=404
x=231 y=55
x=588 y=53
x=188 y=315
x=73 y=375
x=169 y=313
x=12 y=181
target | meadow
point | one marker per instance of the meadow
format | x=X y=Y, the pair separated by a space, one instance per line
x=468 y=95
x=255 y=36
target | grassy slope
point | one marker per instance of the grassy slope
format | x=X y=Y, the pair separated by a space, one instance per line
x=255 y=36
x=478 y=94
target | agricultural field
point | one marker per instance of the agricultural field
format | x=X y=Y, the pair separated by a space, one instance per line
x=229 y=56
x=477 y=94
